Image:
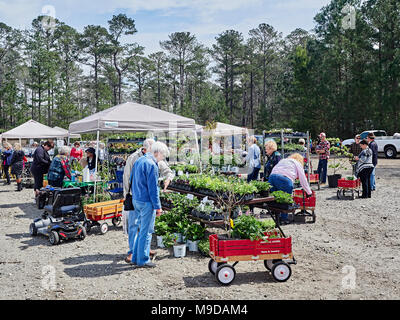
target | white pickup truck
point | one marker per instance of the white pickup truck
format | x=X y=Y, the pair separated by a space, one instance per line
x=389 y=145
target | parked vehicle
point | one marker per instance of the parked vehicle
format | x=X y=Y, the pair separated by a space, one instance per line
x=364 y=134
x=389 y=145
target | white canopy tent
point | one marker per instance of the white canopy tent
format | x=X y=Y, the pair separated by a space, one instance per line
x=67 y=134
x=32 y=130
x=224 y=131
x=130 y=117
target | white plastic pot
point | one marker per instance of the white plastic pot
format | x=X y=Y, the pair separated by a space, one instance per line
x=179 y=250
x=178 y=237
x=160 y=242
x=193 y=245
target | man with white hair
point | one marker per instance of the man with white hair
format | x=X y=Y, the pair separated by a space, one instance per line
x=131 y=161
x=165 y=174
x=146 y=201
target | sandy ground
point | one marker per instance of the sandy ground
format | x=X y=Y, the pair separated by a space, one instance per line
x=351 y=252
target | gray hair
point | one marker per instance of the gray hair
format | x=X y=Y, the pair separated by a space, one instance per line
x=160 y=148
x=148 y=143
x=64 y=150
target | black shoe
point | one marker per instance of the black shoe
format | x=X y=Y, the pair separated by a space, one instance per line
x=149 y=265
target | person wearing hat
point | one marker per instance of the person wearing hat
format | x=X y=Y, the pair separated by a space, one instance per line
x=355 y=150
x=322 y=149
x=374 y=148
x=364 y=168
x=90 y=159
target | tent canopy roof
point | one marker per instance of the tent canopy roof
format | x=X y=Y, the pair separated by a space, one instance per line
x=131 y=116
x=75 y=135
x=31 y=130
x=224 y=129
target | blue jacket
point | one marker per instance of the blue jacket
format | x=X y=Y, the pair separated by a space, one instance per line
x=374 y=148
x=273 y=160
x=145 y=181
x=7 y=156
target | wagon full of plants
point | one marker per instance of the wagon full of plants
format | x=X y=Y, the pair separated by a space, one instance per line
x=250 y=240
x=350 y=185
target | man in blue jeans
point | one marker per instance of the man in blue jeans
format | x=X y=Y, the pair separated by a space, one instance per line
x=322 y=149
x=146 y=201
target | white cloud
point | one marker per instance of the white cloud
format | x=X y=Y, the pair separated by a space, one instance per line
x=301 y=4
x=19 y=13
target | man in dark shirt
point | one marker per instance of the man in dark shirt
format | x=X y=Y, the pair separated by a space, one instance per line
x=355 y=150
x=41 y=164
x=374 y=148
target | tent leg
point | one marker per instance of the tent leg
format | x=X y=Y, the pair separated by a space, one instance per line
x=97 y=159
x=198 y=151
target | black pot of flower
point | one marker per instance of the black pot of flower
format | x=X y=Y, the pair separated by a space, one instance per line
x=282 y=206
x=263 y=194
x=333 y=180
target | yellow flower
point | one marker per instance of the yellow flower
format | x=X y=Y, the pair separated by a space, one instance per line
x=231 y=223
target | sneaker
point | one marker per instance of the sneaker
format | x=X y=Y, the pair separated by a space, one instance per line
x=149 y=265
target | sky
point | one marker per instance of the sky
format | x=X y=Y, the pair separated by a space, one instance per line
x=156 y=19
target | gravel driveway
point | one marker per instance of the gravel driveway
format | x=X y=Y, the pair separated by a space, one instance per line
x=351 y=252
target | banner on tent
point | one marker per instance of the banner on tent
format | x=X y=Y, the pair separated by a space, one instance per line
x=111 y=124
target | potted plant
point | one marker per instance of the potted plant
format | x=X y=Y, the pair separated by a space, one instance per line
x=161 y=229
x=338 y=161
x=204 y=247
x=262 y=187
x=179 y=248
x=194 y=233
x=282 y=200
x=169 y=239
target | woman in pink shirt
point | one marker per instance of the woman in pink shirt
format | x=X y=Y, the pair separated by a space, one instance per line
x=284 y=174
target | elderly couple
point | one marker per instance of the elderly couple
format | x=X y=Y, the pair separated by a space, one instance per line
x=142 y=171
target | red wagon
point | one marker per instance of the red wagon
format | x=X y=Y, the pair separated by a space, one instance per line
x=345 y=185
x=307 y=205
x=273 y=250
x=102 y=211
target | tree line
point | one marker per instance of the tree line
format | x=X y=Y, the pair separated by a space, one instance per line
x=340 y=81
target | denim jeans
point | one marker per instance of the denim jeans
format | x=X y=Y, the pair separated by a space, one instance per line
x=140 y=229
x=253 y=175
x=279 y=182
x=322 y=169
x=372 y=182
x=133 y=228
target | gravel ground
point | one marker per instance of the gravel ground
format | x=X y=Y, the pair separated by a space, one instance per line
x=351 y=252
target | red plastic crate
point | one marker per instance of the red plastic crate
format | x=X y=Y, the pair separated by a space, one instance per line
x=314 y=177
x=344 y=183
x=228 y=248
x=306 y=202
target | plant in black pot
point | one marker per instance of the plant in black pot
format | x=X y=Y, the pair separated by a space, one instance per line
x=282 y=200
x=262 y=188
x=337 y=162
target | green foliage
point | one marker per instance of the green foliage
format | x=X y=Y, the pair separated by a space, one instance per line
x=195 y=232
x=161 y=228
x=204 y=246
x=261 y=185
x=282 y=197
x=339 y=158
x=169 y=239
x=248 y=227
